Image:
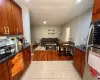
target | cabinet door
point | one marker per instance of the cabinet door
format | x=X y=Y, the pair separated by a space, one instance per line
x=82 y=64
x=2 y=17
x=14 y=65
x=77 y=59
x=26 y=57
x=9 y=24
x=6 y=19
x=29 y=55
x=4 y=75
x=17 y=14
x=96 y=7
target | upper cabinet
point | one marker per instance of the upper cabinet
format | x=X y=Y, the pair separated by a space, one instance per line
x=96 y=7
x=96 y=10
x=3 y=18
x=17 y=16
x=10 y=18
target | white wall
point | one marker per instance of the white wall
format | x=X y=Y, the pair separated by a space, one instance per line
x=39 y=32
x=79 y=27
x=26 y=23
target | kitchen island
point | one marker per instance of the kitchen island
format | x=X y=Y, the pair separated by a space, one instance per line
x=14 y=66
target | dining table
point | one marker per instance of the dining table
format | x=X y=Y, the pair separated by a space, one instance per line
x=66 y=45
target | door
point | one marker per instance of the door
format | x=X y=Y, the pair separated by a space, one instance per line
x=77 y=60
x=96 y=8
x=15 y=67
x=82 y=63
x=9 y=23
x=4 y=75
x=87 y=74
x=6 y=25
x=29 y=55
x=17 y=16
x=2 y=17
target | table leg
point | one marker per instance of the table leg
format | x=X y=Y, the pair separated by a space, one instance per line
x=46 y=47
x=59 y=51
x=65 y=51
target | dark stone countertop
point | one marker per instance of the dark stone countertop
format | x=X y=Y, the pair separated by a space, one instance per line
x=8 y=57
x=81 y=49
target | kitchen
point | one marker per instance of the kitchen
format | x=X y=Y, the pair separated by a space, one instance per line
x=16 y=43
x=15 y=50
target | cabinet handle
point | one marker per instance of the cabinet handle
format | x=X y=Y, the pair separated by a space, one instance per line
x=7 y=30
x=17 y=31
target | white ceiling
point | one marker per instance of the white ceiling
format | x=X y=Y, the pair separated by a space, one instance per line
x=54 y=12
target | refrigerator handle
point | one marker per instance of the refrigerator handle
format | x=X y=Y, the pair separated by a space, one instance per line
x=88 y=41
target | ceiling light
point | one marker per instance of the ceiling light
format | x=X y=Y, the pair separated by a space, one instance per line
x=44 y=22
x=28 y=0
x=78 y=1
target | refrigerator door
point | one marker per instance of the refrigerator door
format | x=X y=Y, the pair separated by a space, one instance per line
x=87 y=74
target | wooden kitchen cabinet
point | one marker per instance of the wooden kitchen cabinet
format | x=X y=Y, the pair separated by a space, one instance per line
x=28 y=51
x=27 y=56
x=9 y=21
x=10 y=18
x=6 y=18
x=96 y=10
x=79 y=61
x=3 y=18
x=96 y=7
x=16 y=65
x=82 y=64
x=17 y=13
x=4 y=75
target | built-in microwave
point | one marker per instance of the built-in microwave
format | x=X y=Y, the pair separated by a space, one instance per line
x=94 y=40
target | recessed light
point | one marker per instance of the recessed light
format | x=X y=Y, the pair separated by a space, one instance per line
x=28 y=0
x=44 y=22
x=78 y=1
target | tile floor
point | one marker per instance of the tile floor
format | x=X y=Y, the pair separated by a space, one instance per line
x=51 y=70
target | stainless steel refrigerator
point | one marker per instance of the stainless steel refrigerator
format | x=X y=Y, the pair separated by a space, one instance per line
x=92 y=66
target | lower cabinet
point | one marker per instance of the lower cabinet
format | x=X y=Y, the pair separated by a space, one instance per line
x=26 y=58
x=28 y=52
x=15 y=66
x=79 y=61
x=4 y=75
